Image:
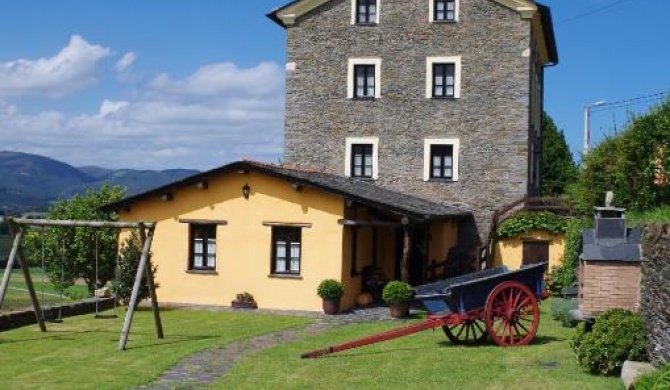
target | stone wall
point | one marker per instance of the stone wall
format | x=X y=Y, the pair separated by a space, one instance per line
x=655 y=292
x=491 y=118
x=18 y=319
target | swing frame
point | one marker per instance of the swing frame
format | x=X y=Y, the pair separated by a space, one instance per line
x=17 y=230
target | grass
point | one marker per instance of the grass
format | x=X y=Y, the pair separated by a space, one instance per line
x=81 y=352
x=658 y=215
x=17 y=295
x=425 y=360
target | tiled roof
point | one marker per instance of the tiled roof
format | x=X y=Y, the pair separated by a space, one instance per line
x=362 y=191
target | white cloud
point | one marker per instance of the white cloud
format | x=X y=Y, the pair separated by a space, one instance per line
x=109 y=107
x=126 y=61
x=71 y=69
x=186 y=123
x=223 y=79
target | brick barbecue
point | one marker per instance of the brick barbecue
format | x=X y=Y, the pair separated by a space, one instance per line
x=610 y=264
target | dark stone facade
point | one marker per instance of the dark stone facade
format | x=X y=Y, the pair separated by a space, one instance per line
x=655 y=292
x=491 y=119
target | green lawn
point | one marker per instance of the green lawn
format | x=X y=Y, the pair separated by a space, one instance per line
x=81 y=352
x=17 y=295
x=421 y=361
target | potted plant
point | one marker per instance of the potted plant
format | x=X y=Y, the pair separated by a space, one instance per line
x=244 y=301
x=331 y=291
x=397 y=295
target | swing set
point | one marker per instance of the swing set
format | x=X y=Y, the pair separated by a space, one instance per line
x=18 y=228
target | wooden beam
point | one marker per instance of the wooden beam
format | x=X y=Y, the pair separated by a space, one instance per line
x=10 y=266
x=404 y=262
x=220 y=222
x=134 y=296
x=368 y=223
x=148 y=271
x=74 y=223
x=17 y=232
x=288 y=224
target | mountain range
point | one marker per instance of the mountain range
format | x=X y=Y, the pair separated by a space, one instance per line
x=30 y=182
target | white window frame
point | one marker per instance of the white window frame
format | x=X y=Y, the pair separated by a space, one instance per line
x=375 y=154
x=377 y=62
x=430 y=61
x=427 y=143
x=431 y=12
x=354 y=11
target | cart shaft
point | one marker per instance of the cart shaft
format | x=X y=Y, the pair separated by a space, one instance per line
x=430 y=323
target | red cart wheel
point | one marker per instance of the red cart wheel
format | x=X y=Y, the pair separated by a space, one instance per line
x=470 y=332
x=512 y=314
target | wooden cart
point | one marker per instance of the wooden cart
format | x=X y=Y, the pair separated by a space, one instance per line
x=494 y=303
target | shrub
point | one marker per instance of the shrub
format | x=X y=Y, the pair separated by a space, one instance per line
x=658 y=380
x=330 y=289
x=560 y=310
x=618 y=335
x=397 y=292
x=127 y=263
x=566 y=275
x=554 y=282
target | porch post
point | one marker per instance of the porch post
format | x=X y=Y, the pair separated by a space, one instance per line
x=407 y=242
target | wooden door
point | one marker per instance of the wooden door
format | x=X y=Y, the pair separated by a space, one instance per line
x=535 y=252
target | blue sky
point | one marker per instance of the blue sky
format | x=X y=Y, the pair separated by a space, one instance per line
x=196 y=84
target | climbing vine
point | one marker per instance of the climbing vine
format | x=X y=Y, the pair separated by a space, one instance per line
x=527 y=221
x=566 y=274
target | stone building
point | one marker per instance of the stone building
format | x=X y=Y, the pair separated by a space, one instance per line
x=440 y=99
x=407 y=123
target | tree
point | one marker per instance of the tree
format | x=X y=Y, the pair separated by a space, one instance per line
x=70 y=253
x=129 y=259
x=634 y=164
x=557 y=166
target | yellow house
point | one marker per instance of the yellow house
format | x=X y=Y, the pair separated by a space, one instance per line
x=277 y=233
x=535 y=246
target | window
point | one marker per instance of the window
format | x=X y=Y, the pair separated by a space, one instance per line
x=443 y=80
x=444 y=10
x=441 y=159
x=441 y=162
x=361 y=157
x=286 y=243
x=364 y=78
x=203 y=247
x=364 y=81
x=361 y=160
x=443 y=77
x=365 y=11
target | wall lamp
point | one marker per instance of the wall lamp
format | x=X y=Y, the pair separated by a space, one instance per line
x=246 y=190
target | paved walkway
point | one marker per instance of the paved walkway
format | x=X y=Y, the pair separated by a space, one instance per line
x=206 y=367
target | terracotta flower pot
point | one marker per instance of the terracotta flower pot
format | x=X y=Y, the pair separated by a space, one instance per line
x=331 y=306
x=399 y=310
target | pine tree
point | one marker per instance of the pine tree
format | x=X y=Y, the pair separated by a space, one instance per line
x=557 y=166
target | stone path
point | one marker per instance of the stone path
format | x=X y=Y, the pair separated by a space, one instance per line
x=206 y=367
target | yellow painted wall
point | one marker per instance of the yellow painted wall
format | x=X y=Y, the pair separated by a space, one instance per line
x=385 y=255
x=443 y=237
x=509 y=251
x=244 y=246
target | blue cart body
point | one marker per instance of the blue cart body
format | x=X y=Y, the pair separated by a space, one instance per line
x=470 y=292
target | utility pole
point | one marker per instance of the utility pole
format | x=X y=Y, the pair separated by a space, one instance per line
x=587 y=124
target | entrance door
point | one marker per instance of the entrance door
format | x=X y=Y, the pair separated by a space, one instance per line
x=535 y=252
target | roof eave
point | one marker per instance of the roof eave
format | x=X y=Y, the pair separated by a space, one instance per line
x=549 y=36
x=245 y=165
